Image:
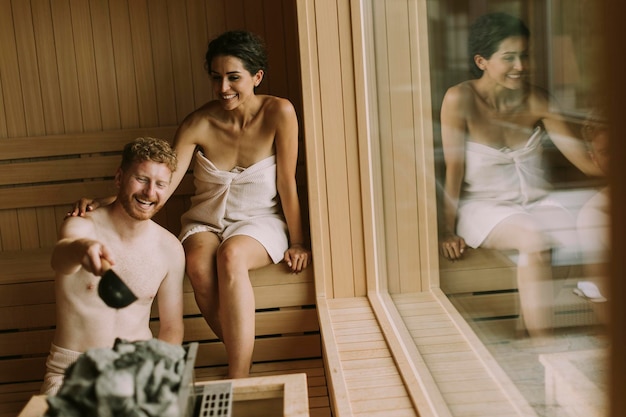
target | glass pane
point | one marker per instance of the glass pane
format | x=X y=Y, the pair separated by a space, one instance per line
x=512 y=139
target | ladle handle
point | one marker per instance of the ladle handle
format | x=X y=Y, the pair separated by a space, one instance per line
x=106 y=265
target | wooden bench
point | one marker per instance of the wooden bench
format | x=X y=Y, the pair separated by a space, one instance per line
x=483 y=286
x=40 y=178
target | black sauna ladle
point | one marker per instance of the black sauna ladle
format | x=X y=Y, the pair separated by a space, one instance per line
x=113 y=291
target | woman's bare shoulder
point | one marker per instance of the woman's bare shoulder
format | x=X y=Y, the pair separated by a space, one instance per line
x=460 y=97
x=461 y=93
x=277 y=106
x=202 y=114
x=197 y=122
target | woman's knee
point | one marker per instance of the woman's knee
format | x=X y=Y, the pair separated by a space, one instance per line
x=521 y=233
x=231 y=255
x=535 y=242
x=200 y=268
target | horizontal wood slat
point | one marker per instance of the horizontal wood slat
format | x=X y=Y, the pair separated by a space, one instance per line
x=265 y=350
x=67 y=193
x=479 y=270
x=76 y=144
x=59 y=170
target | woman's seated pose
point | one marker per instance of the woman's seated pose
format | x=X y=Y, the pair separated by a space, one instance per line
x=495 y=193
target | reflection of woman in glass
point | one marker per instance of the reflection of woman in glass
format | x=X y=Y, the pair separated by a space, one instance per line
x=594 y=220
x=495 y=195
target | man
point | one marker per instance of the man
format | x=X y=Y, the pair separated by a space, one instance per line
x=146 y=256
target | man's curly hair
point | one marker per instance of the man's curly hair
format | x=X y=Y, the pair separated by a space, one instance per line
x=149 y=149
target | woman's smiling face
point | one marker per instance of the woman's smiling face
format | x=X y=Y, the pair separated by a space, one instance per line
x=507 y=66
x=232 y=82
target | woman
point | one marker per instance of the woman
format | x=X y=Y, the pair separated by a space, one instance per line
x=495 y=196
x=245 y=213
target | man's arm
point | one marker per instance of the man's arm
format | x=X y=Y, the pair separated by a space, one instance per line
x=77 y=247
x=170 y=297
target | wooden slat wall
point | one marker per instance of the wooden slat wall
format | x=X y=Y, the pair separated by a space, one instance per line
x=405 y=144
x=72 y=66
x=328 y=72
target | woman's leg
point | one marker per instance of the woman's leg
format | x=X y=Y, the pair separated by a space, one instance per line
x=523 y=233
x=200 y=249
x=236 y=256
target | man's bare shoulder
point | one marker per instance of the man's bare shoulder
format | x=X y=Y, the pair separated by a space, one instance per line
x=80 y=226
x=166 y=240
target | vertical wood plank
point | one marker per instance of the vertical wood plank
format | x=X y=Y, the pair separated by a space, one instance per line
x=335 y=155
x=426 y=183
x=163 y=65
x=386 y=146
x=144 y=65
x=27 y=224
x=105 y=64
x=291 y=53
x=48 y=67
x=66 y=61
x=355 y=202
x=275 y=38
x=11 y=89
x=124 y=63
x=253 y=15
x=234 y=14
x=215 y=17
x=404 y=170
x=198 y=41
x=313 y=130
x=9 y=230
x=181 y=60
x=3 y=118
x=47 y=226
x=85 y=64
x=29 y=71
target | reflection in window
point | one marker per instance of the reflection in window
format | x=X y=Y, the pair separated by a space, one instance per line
x=561 y=301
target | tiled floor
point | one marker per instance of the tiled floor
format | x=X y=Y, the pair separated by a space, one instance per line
x=520 y=359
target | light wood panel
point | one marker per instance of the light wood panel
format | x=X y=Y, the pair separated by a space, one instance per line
x=327 y=65
x=402 y=96
x=468 y=378
x=372 y=383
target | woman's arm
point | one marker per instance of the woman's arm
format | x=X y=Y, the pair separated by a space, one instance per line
x=561 y=134
x=572 y=147
x=187 y=137
x=453 y=131
x=286 y=142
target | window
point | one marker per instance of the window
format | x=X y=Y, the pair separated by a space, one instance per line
x=565 y=41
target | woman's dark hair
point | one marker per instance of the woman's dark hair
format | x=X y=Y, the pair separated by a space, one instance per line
x=246 y=46
x=487 y=32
